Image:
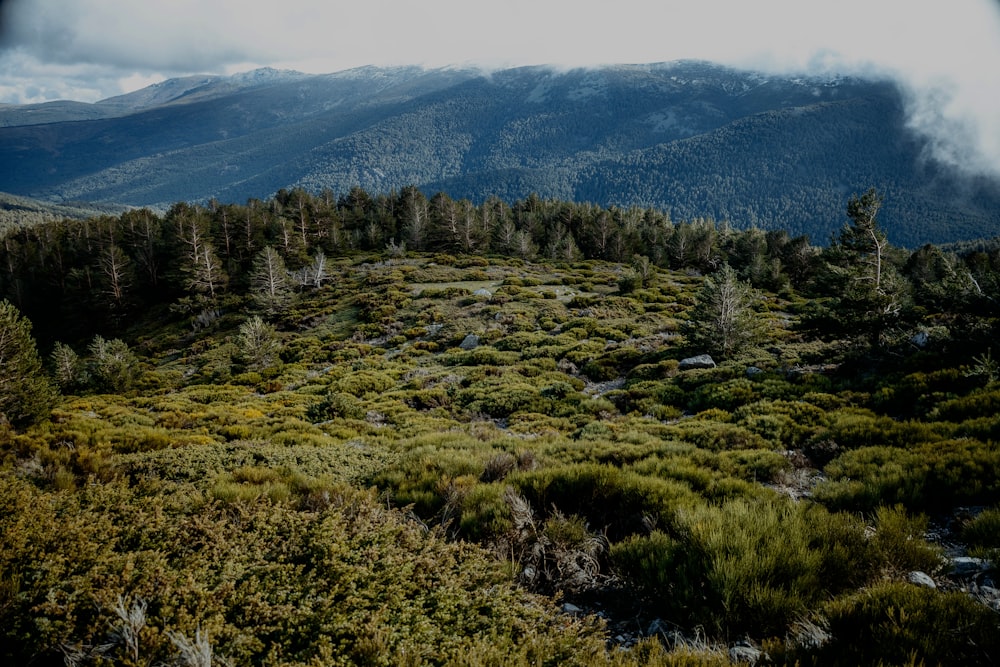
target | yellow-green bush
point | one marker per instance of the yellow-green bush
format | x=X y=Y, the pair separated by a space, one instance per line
x=745 y=566
x=345 y=583
x=931 y=476
x=902 y=624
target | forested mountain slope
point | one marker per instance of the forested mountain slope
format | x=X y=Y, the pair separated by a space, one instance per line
x=694 y=139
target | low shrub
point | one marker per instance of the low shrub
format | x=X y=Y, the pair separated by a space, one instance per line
x=982 y=534
x=605 y=496
x=900 y=545
x=745 y=566
x=930 y=477
x=903 y=624
x=257 y=582
x=725 y=395
x=336 y=405
x=365 y=383
x=707 y=433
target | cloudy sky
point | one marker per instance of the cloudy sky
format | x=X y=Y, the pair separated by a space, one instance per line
x=946 y=55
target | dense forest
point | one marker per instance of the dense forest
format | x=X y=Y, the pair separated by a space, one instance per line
x=391 y=429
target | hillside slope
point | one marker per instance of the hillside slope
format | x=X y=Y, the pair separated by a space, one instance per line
x=695 y=139
x=414 y=452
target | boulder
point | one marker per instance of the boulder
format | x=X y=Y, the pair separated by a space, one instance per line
x=700 y=361
x=482 y=291
x=470 y=342
x=921 y=579
x=967 y=566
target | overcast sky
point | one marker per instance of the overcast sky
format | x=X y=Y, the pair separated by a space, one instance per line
x=945 y=54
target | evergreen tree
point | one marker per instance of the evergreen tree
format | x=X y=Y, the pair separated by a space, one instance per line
x=116 y=278
x=724 y=320
x=865 y=239
x=67 y=367
x=26 y=395
x=202 y=272
x=871 y=291
x=113 y=365
x=258 y=344
x=270 y=285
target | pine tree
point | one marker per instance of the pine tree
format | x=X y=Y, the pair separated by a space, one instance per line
x=724 y=320
x=113 y=365
x=258 y=344
x=872 y=291
x=270 y=284
x=67 y=367
x=26 y=395
x=201 y=269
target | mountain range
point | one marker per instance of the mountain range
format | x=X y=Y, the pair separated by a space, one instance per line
x=692 y=138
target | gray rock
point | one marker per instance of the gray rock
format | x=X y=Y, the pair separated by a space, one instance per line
x=753 y=371
x=967 y=566
x=482 y=291
x=700 y=361
x=572 y=609
x=470 y=342
x=921 y=339
x=921 y=579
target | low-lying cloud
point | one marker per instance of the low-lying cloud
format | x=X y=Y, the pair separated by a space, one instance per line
x=943 y=55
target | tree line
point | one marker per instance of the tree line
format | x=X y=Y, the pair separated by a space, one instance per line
x=77 y=278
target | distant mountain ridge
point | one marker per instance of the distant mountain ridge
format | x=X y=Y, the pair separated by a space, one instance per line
x=184 y=89
x=692 y=138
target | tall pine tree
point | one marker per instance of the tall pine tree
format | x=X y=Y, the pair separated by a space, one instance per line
x=26 y=395
x=724 y=320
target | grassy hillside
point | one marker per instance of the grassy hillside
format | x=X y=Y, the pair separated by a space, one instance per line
x=403 y=464
x=271 y=434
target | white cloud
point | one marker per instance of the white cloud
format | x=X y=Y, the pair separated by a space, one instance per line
x=944 y=54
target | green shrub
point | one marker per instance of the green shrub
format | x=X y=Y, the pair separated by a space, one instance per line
x=753 y=465
x=982 y=534
x=654 y=564
x=977 y=404
x=347 y=582
x=707 y=433
x=747 y=566
x=852 y=428
x=899 y=542
x=727 y=395
x=898 y=623
x=365 y=383
x=502 y=398
x=930 y=477
x=785 y=423
x=336 y=405
x=605 y=496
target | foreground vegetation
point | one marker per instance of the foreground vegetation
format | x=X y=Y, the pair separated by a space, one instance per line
x=307 y=454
